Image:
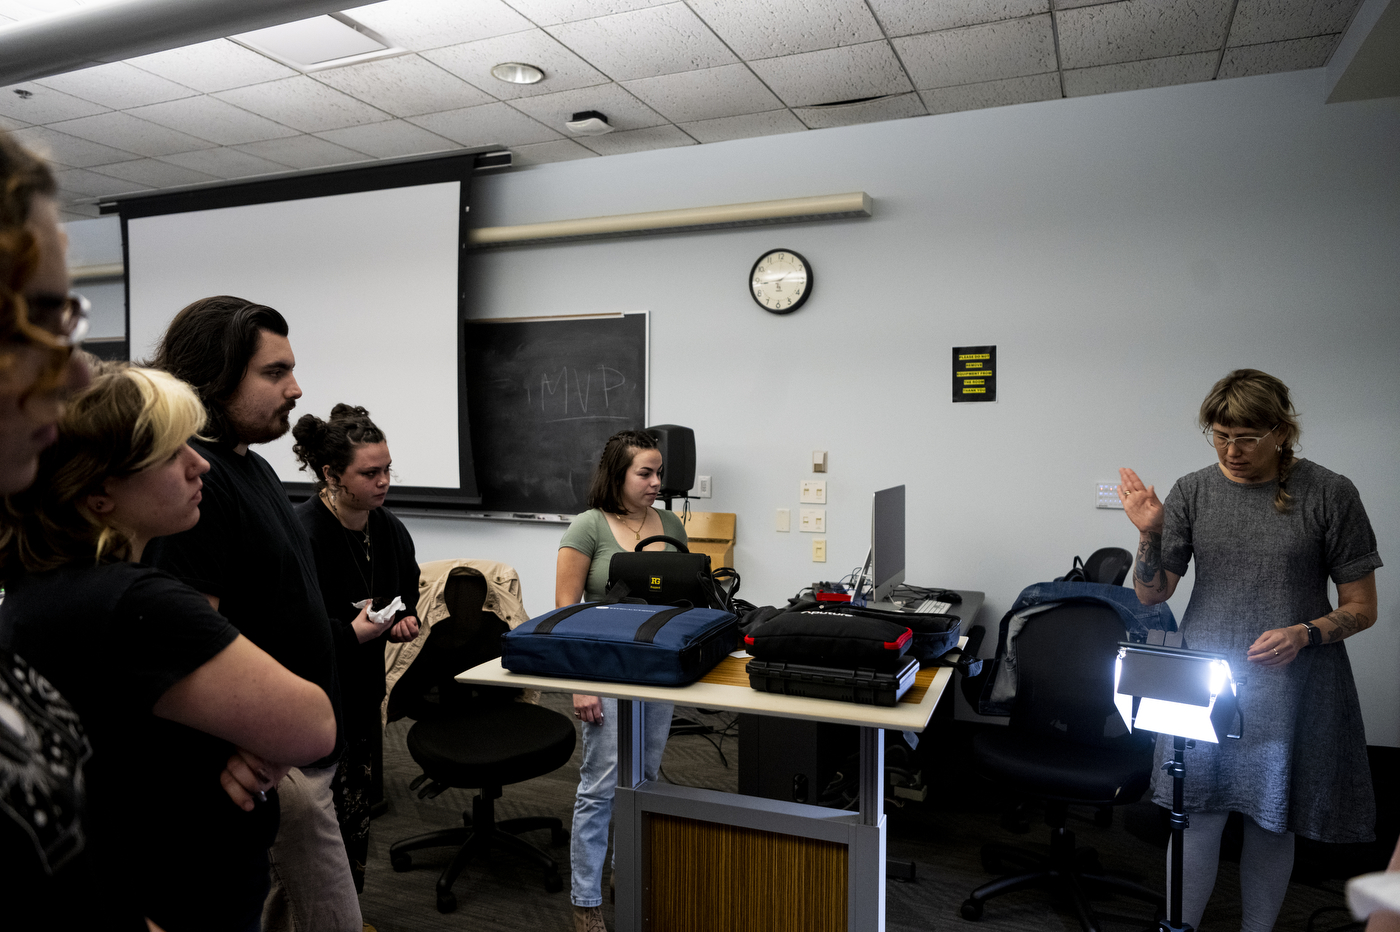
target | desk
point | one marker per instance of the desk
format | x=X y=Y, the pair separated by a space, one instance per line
x=701 y=859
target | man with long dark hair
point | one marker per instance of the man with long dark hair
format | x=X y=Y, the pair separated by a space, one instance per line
x=251 y=558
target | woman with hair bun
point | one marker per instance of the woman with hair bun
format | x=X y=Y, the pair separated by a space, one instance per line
x=363 y=552
x=1267 y=531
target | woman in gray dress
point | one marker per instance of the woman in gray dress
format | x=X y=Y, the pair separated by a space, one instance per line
x=1267 y=531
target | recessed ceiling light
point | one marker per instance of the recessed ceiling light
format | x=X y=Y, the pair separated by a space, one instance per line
x=516 y=72
x=319 y=43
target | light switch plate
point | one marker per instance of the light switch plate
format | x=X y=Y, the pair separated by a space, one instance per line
x=1106 y=496
x=702 y=486
x=819 y=550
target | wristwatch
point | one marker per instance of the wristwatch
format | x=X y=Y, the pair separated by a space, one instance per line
x=1314 y=633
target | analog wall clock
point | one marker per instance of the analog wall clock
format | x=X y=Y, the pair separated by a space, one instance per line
x=780 y=281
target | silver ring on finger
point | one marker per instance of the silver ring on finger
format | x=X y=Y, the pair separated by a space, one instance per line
x=1275 y=651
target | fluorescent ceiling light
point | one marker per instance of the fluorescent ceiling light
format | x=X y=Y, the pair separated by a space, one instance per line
x=319 y=43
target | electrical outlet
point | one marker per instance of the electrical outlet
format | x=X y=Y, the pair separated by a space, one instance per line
x=1106 y=496
x=783 y=522
x=812 y=520
x=813 y=491
x=819 y=550
x=702 y=486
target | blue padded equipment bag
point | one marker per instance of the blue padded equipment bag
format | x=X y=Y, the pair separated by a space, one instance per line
x=622 y=642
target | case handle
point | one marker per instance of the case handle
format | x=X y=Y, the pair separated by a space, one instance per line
x=670 y=540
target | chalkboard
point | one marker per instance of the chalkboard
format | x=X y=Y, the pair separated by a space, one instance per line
x=543 y=396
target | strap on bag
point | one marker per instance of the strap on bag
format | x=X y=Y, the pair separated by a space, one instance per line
x=614 y=596
x=648 y=628
x=644 y=543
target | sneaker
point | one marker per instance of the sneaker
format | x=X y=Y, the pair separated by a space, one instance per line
x=589 y=919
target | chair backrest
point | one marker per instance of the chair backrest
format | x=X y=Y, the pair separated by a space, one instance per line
x=1064 y=676
x=1108 y=565
x=468 y=636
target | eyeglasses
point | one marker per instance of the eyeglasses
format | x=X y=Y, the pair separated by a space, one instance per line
x=62 y=319
x=1244 y=444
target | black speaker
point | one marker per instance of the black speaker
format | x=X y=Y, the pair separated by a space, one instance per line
x=677 y=445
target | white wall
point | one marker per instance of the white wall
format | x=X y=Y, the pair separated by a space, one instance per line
x=1123 y=252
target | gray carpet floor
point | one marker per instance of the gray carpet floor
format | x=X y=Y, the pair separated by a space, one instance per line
x=941 y=836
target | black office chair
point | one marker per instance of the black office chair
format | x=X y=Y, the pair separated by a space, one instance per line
x=476 y=737
x=1108 y=565
x=1066 y=744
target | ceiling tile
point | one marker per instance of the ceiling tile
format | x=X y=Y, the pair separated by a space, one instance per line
x=405 y=86
x=303 y=104
x=44 y=105
x=872 y=111
x=769 y=28
x=155 y=174
x=125 y=131
x=869 y=70
x=390 y=140
x=638 y=140
x=91 y=184
x=1259 y=21
x=1136 y=75
x=624 y=112
x=69 y=150
x=562 y=69
x=224 y=163
x=219 y=65
x=975 y=54
x=1271 y=57
x=1002 y=93
x=550 y=12
x=430 y=24
x=303 y=152
x=117 y=85
x=539 y=153
x=488 y=125
x=212 y=119
x=728 y=90
x=744 y=127
x=902 y=18
x=644 y=43
x=1139 y=29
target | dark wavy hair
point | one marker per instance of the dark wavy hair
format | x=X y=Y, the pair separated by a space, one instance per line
x=23 y=177
x=1248 y=398
x=209 y=345
x=333 y=443
x=605 y=492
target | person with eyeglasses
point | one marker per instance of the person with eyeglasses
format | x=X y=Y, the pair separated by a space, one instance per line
x=1267 y=531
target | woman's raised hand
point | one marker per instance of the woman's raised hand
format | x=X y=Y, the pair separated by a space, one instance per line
x=1140 y=502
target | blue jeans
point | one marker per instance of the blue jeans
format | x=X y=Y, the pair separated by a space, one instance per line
x=597 y=780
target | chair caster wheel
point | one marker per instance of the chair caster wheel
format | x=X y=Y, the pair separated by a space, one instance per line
x=557 y=836
x=972 y=910
x=401 y=862
x=446 y=902
x=552 y=883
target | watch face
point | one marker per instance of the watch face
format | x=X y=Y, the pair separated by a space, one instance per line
x=780 y=281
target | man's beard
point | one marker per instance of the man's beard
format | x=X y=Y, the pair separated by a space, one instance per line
x=267 y=432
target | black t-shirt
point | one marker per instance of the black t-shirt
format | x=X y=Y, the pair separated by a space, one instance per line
x=48 y=867
x=113 y=639
x=250 y=550
x=347 y=577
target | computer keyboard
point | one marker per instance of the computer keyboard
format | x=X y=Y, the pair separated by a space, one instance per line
x=929 y=607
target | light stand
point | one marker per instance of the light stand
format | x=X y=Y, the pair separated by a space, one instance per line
x=1189 y=695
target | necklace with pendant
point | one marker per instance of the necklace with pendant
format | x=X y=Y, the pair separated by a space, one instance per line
x=350 y=541
x=636 y=532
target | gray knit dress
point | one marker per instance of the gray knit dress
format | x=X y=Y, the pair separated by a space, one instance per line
x=1301 y=763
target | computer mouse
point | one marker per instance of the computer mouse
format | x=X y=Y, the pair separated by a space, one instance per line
x=949 y=596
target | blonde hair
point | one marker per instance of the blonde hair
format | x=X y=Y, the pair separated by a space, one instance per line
x=127 y=420
x=1252 y=399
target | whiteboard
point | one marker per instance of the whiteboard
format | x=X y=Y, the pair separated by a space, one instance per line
x=368 y=283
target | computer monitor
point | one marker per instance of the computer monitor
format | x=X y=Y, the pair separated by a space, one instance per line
x=887 y=543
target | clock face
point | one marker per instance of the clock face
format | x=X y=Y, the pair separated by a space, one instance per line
x=781 y=281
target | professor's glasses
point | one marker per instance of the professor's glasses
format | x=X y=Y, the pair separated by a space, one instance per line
x=1245 y=445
